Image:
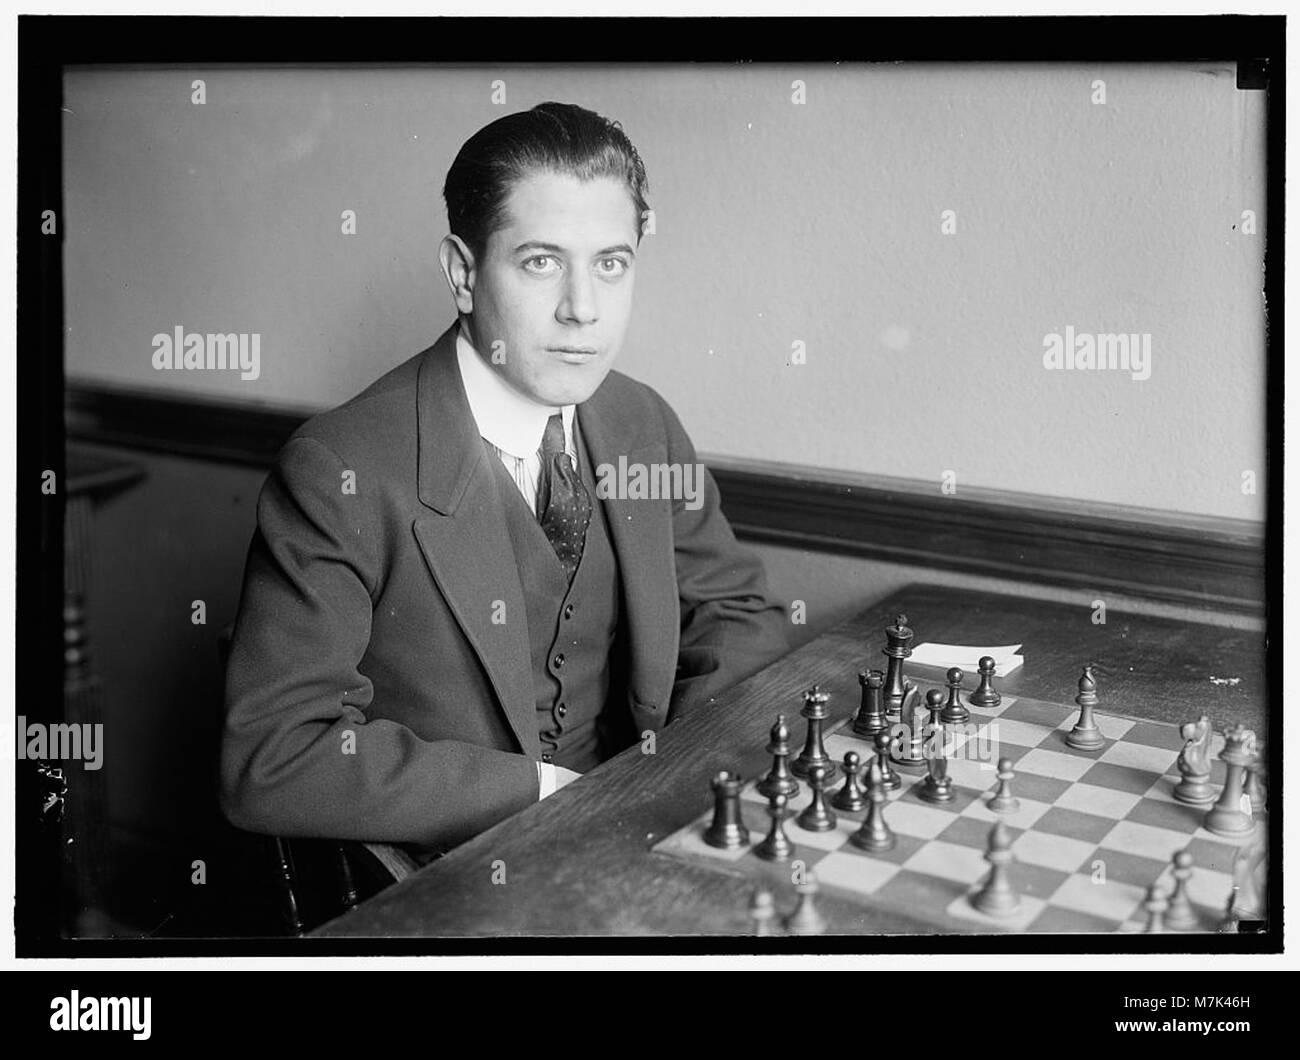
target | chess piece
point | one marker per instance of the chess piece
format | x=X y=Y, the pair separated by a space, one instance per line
x=1180 y=915
x=778 y=780
x=986 y=697
x=1226 y=817
x=805 y=919
x=1194 y=763
x=1256 y=790
x=1085 y=736
x=937 y=786
x=850 y=798
x=898 y=640
x=1003 y=801
x=776 y=845
x=954 y=711
x=1155 y=904
x=762 y=910
x=1249 y=899
x=871 y=715
x=998 y=897
x=727 y=832
x=908 y=745
x=875 y=835
x=817 y=817
x=814 y=750
x=891 y=780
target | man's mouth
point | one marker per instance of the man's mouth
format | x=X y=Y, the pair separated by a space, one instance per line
x=575 y=354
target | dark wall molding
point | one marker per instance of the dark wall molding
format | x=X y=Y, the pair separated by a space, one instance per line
x=1192 y=560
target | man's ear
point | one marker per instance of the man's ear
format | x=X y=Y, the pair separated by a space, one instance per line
x=457 y=262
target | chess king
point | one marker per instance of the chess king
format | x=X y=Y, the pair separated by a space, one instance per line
x=441 y=621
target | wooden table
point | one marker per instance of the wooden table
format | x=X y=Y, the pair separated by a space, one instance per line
x=580 y=862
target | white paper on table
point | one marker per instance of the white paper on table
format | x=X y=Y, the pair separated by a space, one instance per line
x=945 y=656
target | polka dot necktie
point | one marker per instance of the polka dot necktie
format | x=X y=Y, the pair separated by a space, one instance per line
x=563 y=503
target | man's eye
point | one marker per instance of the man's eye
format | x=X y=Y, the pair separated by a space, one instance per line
x=611 y=266
x=541 y=263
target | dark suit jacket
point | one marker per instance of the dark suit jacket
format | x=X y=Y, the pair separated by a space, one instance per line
x=370 y=694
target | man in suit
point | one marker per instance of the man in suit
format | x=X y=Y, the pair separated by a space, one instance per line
x=452 y=605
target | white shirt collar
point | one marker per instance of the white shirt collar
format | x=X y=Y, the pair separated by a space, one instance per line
x=508 y=419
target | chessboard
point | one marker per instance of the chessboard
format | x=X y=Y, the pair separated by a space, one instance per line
x=1093 y=831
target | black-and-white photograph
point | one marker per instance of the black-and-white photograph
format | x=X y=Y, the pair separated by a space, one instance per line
x=787 y=502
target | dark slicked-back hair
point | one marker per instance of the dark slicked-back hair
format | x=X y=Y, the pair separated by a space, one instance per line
x=552 y=137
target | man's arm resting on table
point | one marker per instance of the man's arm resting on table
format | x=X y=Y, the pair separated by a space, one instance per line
x=299 y=754
x=730 y=626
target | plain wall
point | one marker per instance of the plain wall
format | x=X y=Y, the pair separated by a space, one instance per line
x=776 y=224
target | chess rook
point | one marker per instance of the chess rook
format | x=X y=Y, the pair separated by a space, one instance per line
x=898 y=641
x=778 y=780
x=870 y=718
x=727 y=832
x=1085 y=736
x=986 y=696
x=814 y=750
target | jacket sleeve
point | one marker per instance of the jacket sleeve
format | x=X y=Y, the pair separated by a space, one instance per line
x=730 y=625
x=299 y=755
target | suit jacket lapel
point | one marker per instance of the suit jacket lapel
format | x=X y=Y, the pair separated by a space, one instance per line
x=465 y=541
x=643 y=541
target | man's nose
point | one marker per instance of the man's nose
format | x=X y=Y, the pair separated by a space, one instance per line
x=578 y=304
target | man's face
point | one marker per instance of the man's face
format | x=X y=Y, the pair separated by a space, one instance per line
x=555 y=285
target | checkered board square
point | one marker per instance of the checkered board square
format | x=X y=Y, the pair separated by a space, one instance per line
x=1093 y=830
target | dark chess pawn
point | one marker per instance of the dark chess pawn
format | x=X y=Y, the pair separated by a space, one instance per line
x=1003 y=801
x=954 y=711
x=1085 y=736
x=891 y=780
x=727 y=832
x=986 y=696
x=875 y=835
x=998 y=897
x=1180 y=915
x=870 y=718
x=805 y=919
x=778 y=780
x=762 y=911
x=850 y=798
x=816 y=817
x=814 y=750
x=776 y=846
x=937 y=785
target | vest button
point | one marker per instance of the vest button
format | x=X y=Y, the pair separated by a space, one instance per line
x=561 y=710
x=568 y=610
x=558 y=660
x=546 y=758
